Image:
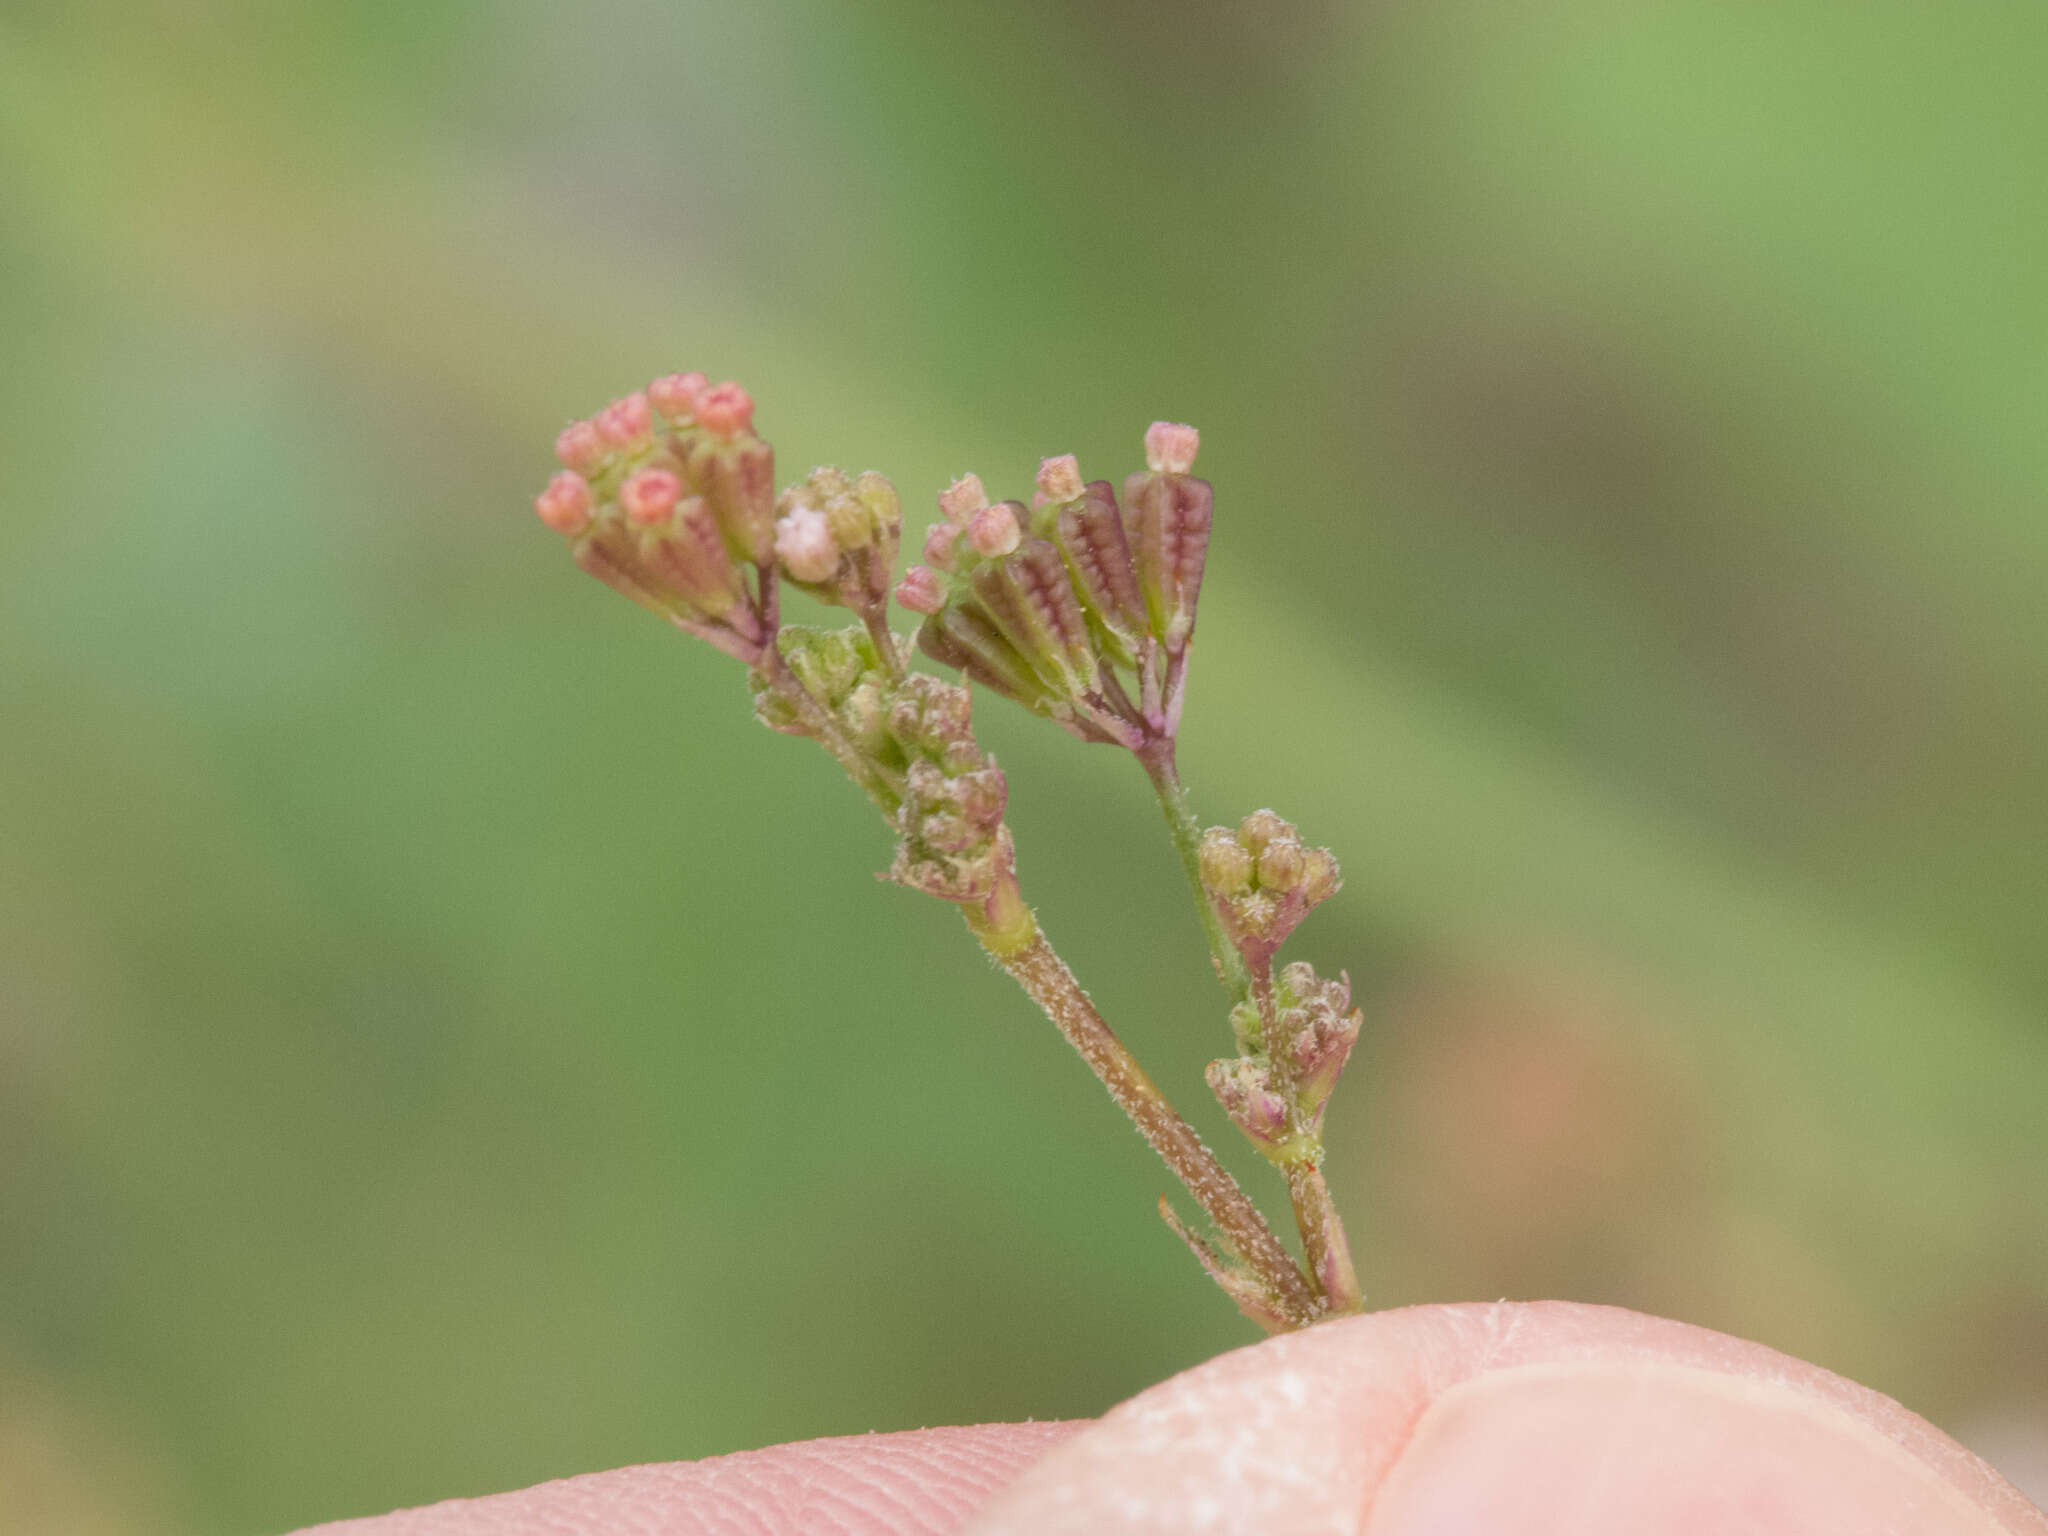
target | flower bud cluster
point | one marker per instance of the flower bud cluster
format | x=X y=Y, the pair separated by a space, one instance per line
x=1264 y=881
x=664 y=495
x=943 y=794
x=836 y=537
x=952 y=841
x=1277 y=1091
x=1044 y=604
x=847 y=677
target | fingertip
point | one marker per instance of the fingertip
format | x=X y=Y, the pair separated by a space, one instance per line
x=1383 y=1424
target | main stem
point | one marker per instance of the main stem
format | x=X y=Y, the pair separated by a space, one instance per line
x=1157 y=758
x=1048 y=982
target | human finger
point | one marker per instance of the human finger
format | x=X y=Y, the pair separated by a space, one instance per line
x=1510 y=1420
x=916 y=1483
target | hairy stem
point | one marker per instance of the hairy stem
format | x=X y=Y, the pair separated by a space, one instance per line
x=1157 y=758
x=1047 y=981
x=875 y=618
x=1323 y=1239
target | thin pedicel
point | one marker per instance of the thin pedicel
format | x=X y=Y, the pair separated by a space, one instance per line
x=1080 y=607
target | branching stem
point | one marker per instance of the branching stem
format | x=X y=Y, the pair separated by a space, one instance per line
x=1157 y=758
x=1047 y=981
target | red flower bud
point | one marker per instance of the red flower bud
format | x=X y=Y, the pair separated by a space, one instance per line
x=675 y=395
x=565 y=505
x=650 y=495
x=725 y=409
x=920 y=590
x=580 y=448
x=625 y=423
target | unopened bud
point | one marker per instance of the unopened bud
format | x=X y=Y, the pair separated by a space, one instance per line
x=933 y=718
x=1247 y=1026
x=1320 y=878
x=565 y=505
x=866 y=718
x=1226 y=865
x=1280 y=864
x=1319 y=1028
x=675 y=394
x=963 y=498
x=805 y=546
x=1059 y=479
x=939 y=542
x=650 y=495
x=1257 y=915
x=725 y=409
x=1261 y=827
x=852 y=524
x=580 y=448
x=878 y=495
x=920 y=591
x=1245 y=1089
x=625 y=423
x=993 y=532
x=1170 y=447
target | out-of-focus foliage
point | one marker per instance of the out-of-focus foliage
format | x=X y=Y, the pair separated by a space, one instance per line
x=444 y=1043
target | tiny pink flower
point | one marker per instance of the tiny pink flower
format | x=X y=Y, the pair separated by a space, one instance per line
x=579 y=447
x=675 y=394
x=626 y=422
x=993 y=531
x=565 y=505
x=938 y=545
x=805 y=546
x=962 y=499
x=920 y=590
x=1059 y=479
x=725 y=409
x=650 y=496
x=1170 y=447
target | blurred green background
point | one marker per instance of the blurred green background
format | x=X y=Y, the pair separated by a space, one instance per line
x=444 y=1044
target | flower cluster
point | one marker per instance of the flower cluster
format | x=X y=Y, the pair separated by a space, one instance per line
x=1264 y=881
x=1050 y=605
x=1277 y=1090
x=836 y=537
x=952 y=841
x=844 y=673
x=665 y=495
x=943 y=794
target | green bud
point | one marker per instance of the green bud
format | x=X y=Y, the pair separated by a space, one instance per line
x=1280 y=864
x=1226 y=865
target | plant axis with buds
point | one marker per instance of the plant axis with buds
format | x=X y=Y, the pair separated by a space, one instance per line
x=1080 y=607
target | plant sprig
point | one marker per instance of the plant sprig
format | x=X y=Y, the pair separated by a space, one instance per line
x=1080 y=607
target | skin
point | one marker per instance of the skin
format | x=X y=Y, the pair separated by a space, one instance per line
x=1504 y=1420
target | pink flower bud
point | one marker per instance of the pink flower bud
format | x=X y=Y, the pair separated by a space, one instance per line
x=920 y=590
x=625 y=423
x=1059 y=479
x=675 y=394
x=579 y=447
x=805 y=546
x=993 y=531
x=1170 y=447
x=1245 y=1089
x=650 y=495
x=725 y=409
x=938 y=545
x=565 y=505
x=963 y=498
